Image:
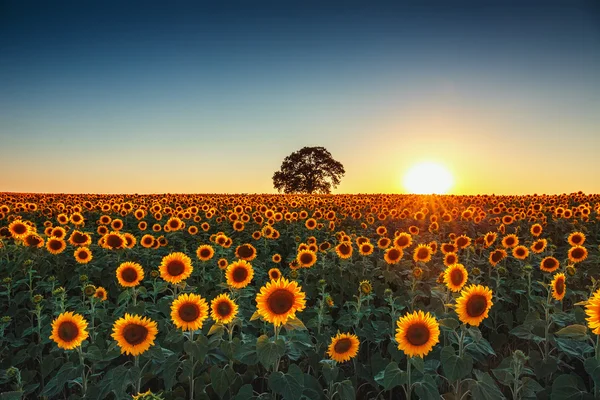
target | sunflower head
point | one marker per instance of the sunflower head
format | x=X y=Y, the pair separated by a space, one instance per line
x=274 y=274
x=549 y=264
x=223 y=309
x=69 y=330
x=343 y=347
x=455 y=277
x=365 y=287
x=474 y=304
x=306 y=258
x=189 y=311
x=175 y=267
x=134 y=334
x=245 y=252
x=130 y=274
x=577 y=254
x=417 y=333
x=280 y=300
x=101 y=294
x=205 y=252
x=558 y=286
x=239 y=274
x=422 y=253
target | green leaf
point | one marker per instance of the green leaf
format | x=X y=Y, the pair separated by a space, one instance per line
x=530 y=387
x=221 y=379
x=170 y=368
x=450 y=323
x=216 y=329
x=255 y=316
x=269 y=352
x=574 y=348
x=427 y=389
x=455 y=367
x=346 y=391
x=11 y=395
x=289 y=385
x=592 y=367
x=294 y=324
x=66 y=373
x=475 y=333
x=484 y=387
x=569 y=387
x=330 y=371
x=245 y=393
x=576 y=331
x=197 y=348
x=391 y=376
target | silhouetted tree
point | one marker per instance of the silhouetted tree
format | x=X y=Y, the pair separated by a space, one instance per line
x=308 y=170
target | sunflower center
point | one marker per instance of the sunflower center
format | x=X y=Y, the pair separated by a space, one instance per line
x=55 y=244
x=476 y=305
x=344 y=249
x=239 y=274
x=33 y=240
x=129 y=275
x=576 y=239
x=114 y=241
x=175 y=268
x=135 y=334
x=510 y=241
x=342 y=346
x=223 y=308
x=577 y=253
x=205 y=253
x=538 y=246
x=456 y=277
x=422 y=254
x=461 y=242
x=83 y=255
x=189 y=312
x=274 y=274
x=79 y=238
x=520 y=252
x=19 y=229
x=496 y=256
x=245 y=251
x=417 y=334
x=306 y=258
x=280 y=301
x=394 y=254
x=68 y=331
x=560 y=286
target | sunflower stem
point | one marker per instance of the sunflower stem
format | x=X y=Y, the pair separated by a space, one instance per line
x=83 y=374
x=134 y=296
x=138 y=385
x=191 y=338
x=408 y=380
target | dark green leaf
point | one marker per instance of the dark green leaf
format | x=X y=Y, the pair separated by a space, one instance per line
x=346 y=391
x=455 y=367
x=427 y=389
x=269 y=352
x=391 y=376
x=569 y=387
x=484 y=387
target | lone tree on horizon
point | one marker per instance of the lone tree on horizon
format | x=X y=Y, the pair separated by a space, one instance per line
x=308 y=170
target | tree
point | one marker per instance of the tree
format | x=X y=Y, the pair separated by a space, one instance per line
x=308 y=170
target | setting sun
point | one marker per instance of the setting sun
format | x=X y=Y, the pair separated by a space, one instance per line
x=428 y=178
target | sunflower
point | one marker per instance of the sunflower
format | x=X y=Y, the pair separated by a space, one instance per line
x=205 y=252
x=239 y=274
x=222 y=309
x=18 y=229
x=520 y=252
x=274 y=274
x=474 y=304
x=592 y=310
x=306 y=258
x=189 y=311
x=576 y=239
x=147 y=241
x=69 y=330
x=78 y=238
x=549 y=264
x=134 y=334
x=577 y=254
x=276 y=258
x=55 y=246
x=344 y=250
x=455 y=277
x=496 y=256
x=101 y=293
x=539 y=246
x=463 y=241
x=489 y=239
x=33 y=240
x=422 y=253
x=536 y=230
x=383 y=243
x=343 y=347
x=365 y=249
x=403 y=240
x=510 y=241
x=450 y=259
x=130 y=274
x=83 y=255
x=449 y=248
x=393 y=255
x=365 y=287
x=113 y=240
x=558 y=286
x=280 y=300
x=58 y=232
x=417 y=333
x=130 y=240
x=245 y=252
x=175 y=267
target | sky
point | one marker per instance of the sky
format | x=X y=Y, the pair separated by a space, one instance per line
x=182 y=97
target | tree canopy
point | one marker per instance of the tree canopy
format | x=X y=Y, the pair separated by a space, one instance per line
x=308 y=170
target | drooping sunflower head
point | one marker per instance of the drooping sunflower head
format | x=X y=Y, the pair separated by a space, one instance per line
x=558 y=286
x=576 y=239
x=280 y=300
x=422 y=253
x=239 y=274
x=130 y=274
x=365 y=287
x=417 y=333
x=175 y=267
x=69 y=330
x=306 y=258
x=101 y=293
x=134 y=334
x=274 y=274
x=343 y=347
x=474 y=304
x=205 y=252
x=496 y=256
x=189 y=311
x=222 y=309
x=577 y=254
x=455 y=277
x=393 y=255
x=245 y=252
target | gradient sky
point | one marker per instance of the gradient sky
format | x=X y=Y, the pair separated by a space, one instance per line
x=182 y=98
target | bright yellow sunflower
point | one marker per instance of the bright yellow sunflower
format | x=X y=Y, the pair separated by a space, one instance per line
x=577 y=254
x=558 y=286
x=592 y=310
x=417 y=333
x=422 y=253
x=344 y=250
x=55 y=246
x=83 y=255
x=343 y=347
x=576 y=238
x=189 y=311
x=455 y=277
x=239 y=274
x=280 y=300
x=393 y=255
x=245 y=252
x=274 y=274
x=101 y=293
x=549 y=264
x=520 y=252
x=223 y=309
x=539 y=246
x=134 y=334
x=205 y=252
x=69 y=330
x=18 y=229
x=175 y=267
x=130 y=274
x=474 y=304
x=306 y=258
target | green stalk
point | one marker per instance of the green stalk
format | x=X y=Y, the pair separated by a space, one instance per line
x=408 y=383
x=83 y=374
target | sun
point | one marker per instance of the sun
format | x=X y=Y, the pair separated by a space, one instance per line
x=428 y=178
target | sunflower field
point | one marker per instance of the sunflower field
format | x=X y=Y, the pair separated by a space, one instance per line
x=296 y=297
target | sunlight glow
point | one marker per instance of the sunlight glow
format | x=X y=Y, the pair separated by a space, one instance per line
x=428 y=178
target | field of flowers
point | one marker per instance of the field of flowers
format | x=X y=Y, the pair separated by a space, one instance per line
x=299 y=297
